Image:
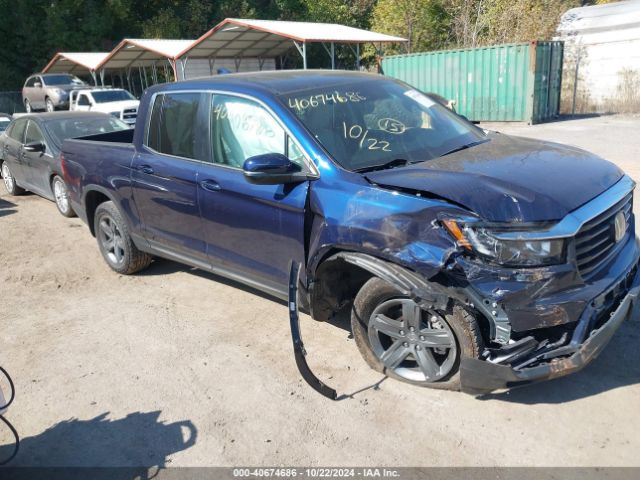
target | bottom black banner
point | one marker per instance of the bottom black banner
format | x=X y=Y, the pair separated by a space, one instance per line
x=224 y=473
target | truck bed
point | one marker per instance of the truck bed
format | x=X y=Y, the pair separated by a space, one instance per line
x=120 y=136
x=102 y=160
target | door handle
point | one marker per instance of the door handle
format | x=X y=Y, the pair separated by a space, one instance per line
x=145 y=169
x=210 y=185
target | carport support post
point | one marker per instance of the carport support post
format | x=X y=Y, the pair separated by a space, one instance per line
x=146 y=79
x=183 y=68
x=174 y=67
x=95 y=79
x=333 y=56
x=303 y=51
x=102 y=77
x=129 y=80
x=304 y=55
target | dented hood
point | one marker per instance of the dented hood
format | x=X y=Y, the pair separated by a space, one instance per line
x=509 y=179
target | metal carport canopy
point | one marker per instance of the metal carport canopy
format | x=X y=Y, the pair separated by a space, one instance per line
x=75 y=62
x=240 y=38
x=138 y=52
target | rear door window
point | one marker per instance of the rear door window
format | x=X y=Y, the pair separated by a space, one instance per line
x=174 y=123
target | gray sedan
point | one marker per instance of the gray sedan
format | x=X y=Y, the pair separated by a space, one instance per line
x=30 y=151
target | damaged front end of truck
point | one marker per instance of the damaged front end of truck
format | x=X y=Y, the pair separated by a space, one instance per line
x=537 y=322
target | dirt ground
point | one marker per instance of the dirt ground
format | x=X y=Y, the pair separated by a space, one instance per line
x=176 y=367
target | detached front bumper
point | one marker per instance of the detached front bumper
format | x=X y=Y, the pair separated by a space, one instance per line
x=481 y=376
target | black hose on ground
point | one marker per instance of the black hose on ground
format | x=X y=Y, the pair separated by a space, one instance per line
x=6 y=422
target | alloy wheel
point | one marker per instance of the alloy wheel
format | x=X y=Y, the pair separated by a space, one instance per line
x=61 y=195
x=49 y=105
x=111 y=240
x=415 y=344
x=9 y=182
x=27 y=106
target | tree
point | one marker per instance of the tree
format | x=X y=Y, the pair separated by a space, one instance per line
x=467 y=22
x=424 y=23
x=506 y=21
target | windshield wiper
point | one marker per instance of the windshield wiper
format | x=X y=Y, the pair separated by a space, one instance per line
x=464 y=147
x=396 y=162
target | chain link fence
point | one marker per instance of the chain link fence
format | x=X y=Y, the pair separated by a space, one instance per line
x=11 y=102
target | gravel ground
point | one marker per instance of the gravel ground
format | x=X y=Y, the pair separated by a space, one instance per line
x=176 y=367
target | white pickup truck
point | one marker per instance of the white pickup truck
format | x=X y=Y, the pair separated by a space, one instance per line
x=115 y=101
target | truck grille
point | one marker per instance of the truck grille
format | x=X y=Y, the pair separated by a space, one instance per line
x=129 y=113
x=595 y=241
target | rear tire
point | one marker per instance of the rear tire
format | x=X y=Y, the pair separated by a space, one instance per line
x=61 y=197
x=9 y=181
x=408 y=351
x=115 y=243
x=27 y=106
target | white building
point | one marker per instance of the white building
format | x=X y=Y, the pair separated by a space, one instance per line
x=602 y=50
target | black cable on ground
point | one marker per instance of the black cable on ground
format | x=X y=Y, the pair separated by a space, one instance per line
x=16 y=436
x=13 y=389
x=6 y=422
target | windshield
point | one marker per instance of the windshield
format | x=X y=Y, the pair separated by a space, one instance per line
x=53 y=80
x=112 y=96
x=372 y=123
x=64 y=128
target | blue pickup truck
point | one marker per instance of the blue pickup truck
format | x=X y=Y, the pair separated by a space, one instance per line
x=466 y=259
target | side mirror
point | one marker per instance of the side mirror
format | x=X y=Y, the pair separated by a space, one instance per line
x=37 y=85
x=35 y=147
x=272 y=169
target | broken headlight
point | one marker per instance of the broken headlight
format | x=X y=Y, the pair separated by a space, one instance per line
x=485 y=243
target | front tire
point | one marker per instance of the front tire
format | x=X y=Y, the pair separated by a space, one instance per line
x=115 y=243
x=61 y=197
x=49 y=106
x=400 y=339
x=9 y=181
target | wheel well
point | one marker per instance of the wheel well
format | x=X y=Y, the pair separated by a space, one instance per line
x=91 y=202
x=336 y=284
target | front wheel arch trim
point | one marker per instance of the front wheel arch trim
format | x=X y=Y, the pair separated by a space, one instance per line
x=409 y=283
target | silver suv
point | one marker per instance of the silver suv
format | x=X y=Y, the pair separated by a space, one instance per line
x=49 y=91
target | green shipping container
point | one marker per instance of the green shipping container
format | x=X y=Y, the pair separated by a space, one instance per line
x=504 y=83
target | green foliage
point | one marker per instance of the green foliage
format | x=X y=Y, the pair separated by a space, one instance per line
x=508 y=21
x=33 y=31
x=425 y=23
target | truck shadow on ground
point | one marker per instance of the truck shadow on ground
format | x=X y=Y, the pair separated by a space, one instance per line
x=161 y=266
x=617 y=366
x=6 y=208
x=139 y=442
